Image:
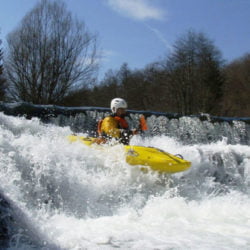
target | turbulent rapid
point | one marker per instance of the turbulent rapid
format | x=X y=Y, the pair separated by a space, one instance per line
x=57 y=195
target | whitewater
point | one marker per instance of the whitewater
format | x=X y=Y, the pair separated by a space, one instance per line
x=70 y=196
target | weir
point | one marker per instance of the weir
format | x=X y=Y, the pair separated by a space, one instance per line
x=202 y=128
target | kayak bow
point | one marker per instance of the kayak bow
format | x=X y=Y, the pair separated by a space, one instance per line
x=150 y=157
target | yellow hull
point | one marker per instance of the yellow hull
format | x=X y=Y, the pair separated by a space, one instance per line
x=154 y=158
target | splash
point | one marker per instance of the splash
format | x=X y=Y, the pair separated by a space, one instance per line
x=57 y=195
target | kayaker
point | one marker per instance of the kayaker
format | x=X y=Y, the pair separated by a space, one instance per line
x=115 y=125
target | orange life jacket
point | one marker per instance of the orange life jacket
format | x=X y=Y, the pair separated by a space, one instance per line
x=122 y=122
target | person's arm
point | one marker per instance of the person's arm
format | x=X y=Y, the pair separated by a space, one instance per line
x=142 y=126
x=143 y=123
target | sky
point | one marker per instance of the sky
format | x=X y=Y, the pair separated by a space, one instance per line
x=140 y=32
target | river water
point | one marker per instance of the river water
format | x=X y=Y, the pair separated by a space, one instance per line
x=70 y=196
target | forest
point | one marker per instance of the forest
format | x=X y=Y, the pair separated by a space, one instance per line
x=54 y=60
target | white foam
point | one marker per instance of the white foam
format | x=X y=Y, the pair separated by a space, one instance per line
x=76 y=197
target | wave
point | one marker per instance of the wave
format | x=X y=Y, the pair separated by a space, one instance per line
x=57 y=195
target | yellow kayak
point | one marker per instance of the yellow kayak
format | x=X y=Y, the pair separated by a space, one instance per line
x=154 y=158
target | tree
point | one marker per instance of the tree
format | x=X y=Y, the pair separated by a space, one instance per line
x=49 y=54
x=2 y=79
x=237 y=88
x=193 y=74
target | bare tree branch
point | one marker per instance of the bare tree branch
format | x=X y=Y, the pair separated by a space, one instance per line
x=49 y=53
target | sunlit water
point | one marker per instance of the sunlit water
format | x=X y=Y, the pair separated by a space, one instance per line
x=70 y=196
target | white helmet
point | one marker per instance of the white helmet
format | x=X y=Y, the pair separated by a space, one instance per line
x=118 y=103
